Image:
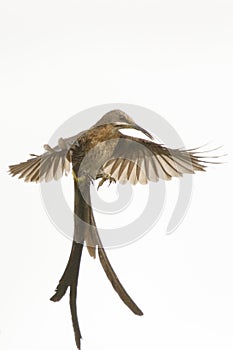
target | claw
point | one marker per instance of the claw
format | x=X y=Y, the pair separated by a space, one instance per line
x=111 y=179
x=100 y=183
x=105 y=178
x=90 y=179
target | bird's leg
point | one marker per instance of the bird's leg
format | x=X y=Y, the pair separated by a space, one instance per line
x=104 y=178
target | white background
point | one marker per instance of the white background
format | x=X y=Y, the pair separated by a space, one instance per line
x=174 y=57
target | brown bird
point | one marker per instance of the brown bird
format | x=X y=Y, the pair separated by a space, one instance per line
x=103 y=152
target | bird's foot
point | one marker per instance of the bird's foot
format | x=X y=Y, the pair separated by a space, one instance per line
x=106 y=177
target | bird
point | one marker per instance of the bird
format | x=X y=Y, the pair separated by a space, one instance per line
x=103 y=152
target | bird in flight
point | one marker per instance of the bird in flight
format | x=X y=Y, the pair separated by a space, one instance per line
x=103 y=152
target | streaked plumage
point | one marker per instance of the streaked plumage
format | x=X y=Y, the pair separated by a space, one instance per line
x=126 y=158
x=103 y=152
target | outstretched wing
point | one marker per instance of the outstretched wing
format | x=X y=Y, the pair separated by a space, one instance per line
x=50 y=165
x=137 y=160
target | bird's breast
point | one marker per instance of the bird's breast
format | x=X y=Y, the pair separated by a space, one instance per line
x=94 y=151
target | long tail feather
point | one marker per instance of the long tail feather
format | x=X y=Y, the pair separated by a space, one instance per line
x=72 y=268
x=71 y=273
x=112 y=275
x=73 y=310
x=116 y=283
x=70 y=279
x=86 y=230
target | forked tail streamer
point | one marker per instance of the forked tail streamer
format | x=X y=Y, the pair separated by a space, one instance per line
x=85 y=230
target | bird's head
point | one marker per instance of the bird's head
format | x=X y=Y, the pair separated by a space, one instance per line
x=121 y=120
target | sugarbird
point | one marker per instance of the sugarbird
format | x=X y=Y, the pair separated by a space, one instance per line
x=103 y=152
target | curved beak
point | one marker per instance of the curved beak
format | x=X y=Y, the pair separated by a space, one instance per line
x=122 y=125
x=139 y=128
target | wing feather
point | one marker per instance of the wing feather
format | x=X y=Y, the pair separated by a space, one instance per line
x=121 y=172
x=48 y=166
x=137 y=160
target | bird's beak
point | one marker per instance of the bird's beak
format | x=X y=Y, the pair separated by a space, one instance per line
x=134 y=126
x=144 y=131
